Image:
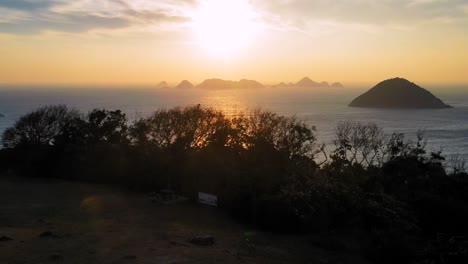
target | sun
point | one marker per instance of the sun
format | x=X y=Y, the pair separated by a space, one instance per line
x=224 y=26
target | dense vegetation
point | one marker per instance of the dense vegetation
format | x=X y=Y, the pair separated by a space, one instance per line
x=265 y=169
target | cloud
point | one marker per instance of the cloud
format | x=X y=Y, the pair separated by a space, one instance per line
x=35 y=16
x=25 y=4
x=382 y=13
x=69 y=23
x=11 y=16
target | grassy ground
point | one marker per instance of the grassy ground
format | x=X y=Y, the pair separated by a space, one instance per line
x=82 y=223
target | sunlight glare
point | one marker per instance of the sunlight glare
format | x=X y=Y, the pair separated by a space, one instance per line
x=224 y=26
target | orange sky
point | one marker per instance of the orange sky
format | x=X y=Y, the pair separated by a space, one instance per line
x=145 y=42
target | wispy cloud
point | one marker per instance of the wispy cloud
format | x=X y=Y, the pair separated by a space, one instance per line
x=12 y=16
x=383 y=13
x=26 y=5
x=34 y=16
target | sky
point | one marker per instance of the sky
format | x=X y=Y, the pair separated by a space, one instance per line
x=148 y=41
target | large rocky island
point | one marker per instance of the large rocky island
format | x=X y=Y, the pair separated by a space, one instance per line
x=218 y=84
x=398 y=93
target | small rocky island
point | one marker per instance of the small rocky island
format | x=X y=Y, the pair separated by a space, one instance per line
x=185 y=85
x=398 y=93
x=306 y=82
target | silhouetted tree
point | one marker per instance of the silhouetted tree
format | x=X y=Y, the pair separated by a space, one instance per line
x=40 y=127
x=359 y=143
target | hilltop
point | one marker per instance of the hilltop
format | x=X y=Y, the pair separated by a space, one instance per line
x=101 y=224
x=398 y=93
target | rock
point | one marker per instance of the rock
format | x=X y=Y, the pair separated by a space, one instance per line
x=56 y=257
x=203 y=240
x=48 y=234
x=398 y=93
x=5 y=239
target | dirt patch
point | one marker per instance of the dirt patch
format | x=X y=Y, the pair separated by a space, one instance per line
x=55 y=221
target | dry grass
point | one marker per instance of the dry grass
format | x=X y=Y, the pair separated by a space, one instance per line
x=99 y=224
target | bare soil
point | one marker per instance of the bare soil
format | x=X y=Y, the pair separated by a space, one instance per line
x=52 y=221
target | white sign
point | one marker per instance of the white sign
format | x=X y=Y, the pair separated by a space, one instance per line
x=208 y=199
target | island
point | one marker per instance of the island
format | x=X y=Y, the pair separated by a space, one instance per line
x=218 y=84
x=306 y=82
x=184 y=85
x=398 y=93
x=162 y=85
x=337 y=85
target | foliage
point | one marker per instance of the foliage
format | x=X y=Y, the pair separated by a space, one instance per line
x=40 y=127
x=261 y=165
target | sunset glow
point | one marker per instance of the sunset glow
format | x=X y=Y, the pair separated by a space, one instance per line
x=146 y=42
x=224 y=26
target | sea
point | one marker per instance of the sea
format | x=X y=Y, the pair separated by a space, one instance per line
x=445 y=129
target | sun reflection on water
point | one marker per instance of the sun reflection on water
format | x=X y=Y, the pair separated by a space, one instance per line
x=231 y=103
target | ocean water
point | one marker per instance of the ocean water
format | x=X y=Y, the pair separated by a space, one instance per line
x=445 y=129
